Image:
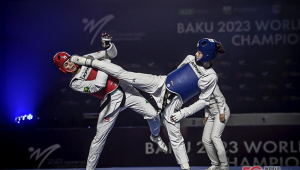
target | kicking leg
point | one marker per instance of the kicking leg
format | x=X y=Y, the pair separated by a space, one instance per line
x=145 y=82
x=139 y=104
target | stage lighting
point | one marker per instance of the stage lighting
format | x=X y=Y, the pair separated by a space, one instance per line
x=24 y=118
x=30 y=116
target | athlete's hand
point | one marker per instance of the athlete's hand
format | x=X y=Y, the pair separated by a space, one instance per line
x=222 y=118
x=106 y=39
x=176 y=117
x=204 y=120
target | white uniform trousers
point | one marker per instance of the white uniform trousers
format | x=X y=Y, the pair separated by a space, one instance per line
x=134 y=101
x=154 y=85
x=211 y=137
x=175 y=136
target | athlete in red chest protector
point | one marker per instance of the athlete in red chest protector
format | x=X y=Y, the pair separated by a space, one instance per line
x=115 y=94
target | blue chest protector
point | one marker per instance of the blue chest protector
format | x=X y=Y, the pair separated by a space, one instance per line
x=184 y=82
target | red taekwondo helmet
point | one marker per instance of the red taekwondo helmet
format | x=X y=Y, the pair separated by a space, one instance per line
x=59 y=59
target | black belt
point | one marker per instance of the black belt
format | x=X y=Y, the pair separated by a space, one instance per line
x=108 y=99
x=168 y=95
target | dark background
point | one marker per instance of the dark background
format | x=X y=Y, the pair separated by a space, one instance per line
x=258 y=74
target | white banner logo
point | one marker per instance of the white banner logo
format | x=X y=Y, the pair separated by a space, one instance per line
x=38 y=153
x=100 y=24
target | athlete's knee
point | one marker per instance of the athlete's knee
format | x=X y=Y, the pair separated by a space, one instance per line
x=215 y=138
x=152 y=116
x=177 y=142
x=176 y=139
x=100 y=136
x=206 y=140
x=221 y=152
x=150 y=113
x=96 y=140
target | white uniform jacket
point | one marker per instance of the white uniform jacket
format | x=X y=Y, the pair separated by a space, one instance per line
x=207 y=83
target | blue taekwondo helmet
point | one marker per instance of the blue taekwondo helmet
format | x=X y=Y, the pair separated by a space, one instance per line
x=208 y=48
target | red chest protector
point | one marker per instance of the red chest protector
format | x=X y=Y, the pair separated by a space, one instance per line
x=111 y=84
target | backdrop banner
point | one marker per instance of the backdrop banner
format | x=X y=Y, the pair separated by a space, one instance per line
x=68 y=148
x=258 y=73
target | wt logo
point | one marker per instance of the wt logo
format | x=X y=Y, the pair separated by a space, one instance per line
x=98 y=25
x=37 y=153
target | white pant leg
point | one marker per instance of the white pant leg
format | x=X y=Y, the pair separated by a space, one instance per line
x=212 y=137
x=105 y=123
x=206 y=139
x=97 y=145
x=146 y=82
x=136 y=102
x=216 y=136
x=175 y=136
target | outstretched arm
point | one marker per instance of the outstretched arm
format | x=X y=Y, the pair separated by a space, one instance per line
x=110 y=49
x=207 y=85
